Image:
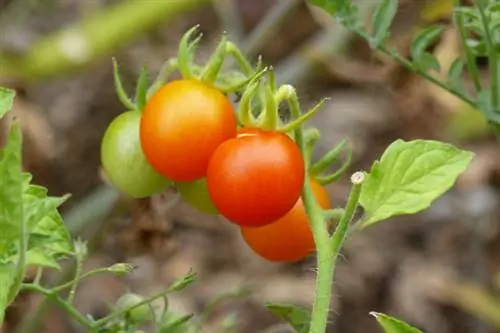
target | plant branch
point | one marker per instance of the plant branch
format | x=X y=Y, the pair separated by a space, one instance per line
x=469 y=56
x=492 y=56
x=62 y=303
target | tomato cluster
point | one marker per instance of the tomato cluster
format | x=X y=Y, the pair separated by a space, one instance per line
x=186 y=133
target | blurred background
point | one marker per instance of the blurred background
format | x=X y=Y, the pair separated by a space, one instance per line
x=438 y=270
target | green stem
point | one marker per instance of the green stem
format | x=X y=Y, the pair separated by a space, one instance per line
x=63 y=304
x=78 y=272
x=328 y=159
x=79 y=278
x=409 y=66
x=241 y=60
x=492 y=56
x=118 y=313
x=493 y=59
x=324 y=277
x=471 y=61
x=168 y=68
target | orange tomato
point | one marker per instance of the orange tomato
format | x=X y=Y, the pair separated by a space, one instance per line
x=182 y=125
x=289 y=239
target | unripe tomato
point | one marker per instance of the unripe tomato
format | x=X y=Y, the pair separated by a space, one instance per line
x=137 y=315
x=195 y=193
x=256 y=178
x=124 y=162
x=290 y=238
x=182 y=124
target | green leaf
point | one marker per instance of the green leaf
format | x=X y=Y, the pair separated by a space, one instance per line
x=6 y=100
x=381 y=21
x=455 y=70
x=423 y=40
x=393 y=325
x=141 y=92
x=409 y=177
x=429 y=62
x=7 y=279
x=455 y=75
x=12 y=223
x=299 y=318
x=330 y=6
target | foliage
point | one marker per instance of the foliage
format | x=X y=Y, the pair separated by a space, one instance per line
x=407 y=179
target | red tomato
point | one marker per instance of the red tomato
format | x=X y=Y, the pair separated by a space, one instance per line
x=182 y=124
x=290 y=238
x=256 y=178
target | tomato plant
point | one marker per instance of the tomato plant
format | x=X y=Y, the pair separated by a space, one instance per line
x=195 y=193
x=256 y=178
x=182 y=125
x=289 y=238
x=124 y=162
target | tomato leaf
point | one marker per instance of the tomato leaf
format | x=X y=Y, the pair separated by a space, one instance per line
x=343 y=10
x=409 y=177
x=299 y=318
x=382 y=20
x=393 y=325
x=423 y=40
x=428 y=62
x=12 y=222
x=330 y=6
x=6 y=100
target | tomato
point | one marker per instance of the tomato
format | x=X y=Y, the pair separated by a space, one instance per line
x=124 y=162
x=290 y=238
x=182 y=125
x=195 y=193
x=256 y=178
x=139 y=314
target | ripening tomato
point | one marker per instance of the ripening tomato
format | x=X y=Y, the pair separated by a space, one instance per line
x=256 y=178
x=124 y=162
x=290 y=238
x=181 y=126
x=195 y=193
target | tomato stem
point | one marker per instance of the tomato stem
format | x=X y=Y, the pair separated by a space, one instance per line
x=329 y=158
x=168 y=68
x=327 y=247
x=186 y=51
x=269 y=118
x=120 y=91
x=216 y=61
x=328 y=179
x=311 y=136
x=245 y=114
x=241 y=60
x=303 y=117
x=334 y=214
x=141 y=92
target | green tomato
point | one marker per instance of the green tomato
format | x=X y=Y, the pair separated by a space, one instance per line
x=137 y=315
x=195 y=193
x=123 y=160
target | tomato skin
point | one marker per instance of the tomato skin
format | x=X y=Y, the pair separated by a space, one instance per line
x=182 y=124
x=195 y=193
x=256 y=178
x=124 y=162
x=289 y=239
